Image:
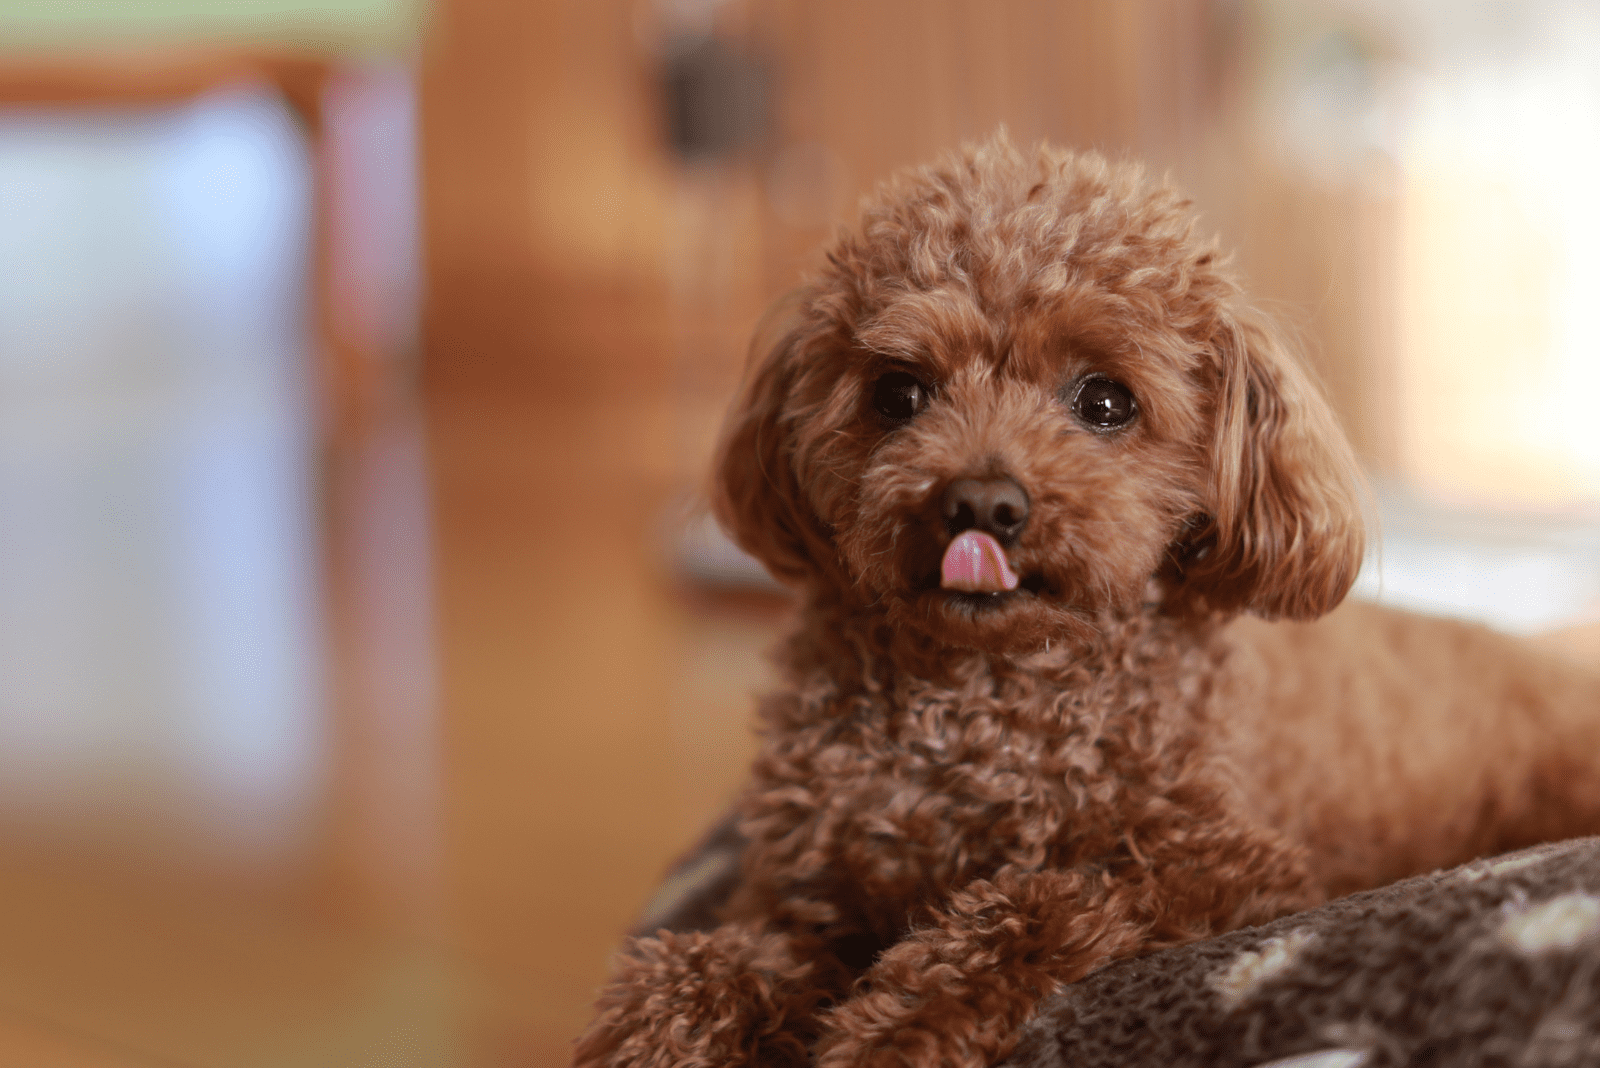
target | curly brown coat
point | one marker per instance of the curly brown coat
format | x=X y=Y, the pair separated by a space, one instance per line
x=966 y=800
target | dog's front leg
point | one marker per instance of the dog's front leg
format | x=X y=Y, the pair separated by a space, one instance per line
x=734 y=996
x=953 y=993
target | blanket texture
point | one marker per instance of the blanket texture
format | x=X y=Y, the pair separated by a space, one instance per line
x=1493 y=963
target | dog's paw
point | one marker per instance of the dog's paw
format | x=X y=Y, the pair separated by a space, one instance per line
x=728 y=998
x=898 y=1029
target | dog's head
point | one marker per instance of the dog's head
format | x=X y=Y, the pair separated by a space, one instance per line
x=1022 y=393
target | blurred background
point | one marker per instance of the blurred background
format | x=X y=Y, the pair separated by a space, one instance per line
x=364 y=657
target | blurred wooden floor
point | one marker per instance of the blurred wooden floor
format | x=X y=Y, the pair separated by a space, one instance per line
x=591 y=718
x=597 y=717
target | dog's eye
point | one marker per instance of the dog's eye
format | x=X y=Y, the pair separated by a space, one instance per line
x=899 y=396
x=1104 y=404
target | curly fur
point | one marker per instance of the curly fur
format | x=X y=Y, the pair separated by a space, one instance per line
x=965 y=802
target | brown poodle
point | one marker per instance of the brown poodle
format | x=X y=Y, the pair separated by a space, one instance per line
x=1042 y=476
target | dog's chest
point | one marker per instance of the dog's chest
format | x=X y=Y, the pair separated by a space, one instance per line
x=942 y=786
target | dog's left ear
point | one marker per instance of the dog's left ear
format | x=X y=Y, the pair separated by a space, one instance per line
x=1285 y=535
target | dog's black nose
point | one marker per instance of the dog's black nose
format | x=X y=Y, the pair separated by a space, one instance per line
x=997 y=505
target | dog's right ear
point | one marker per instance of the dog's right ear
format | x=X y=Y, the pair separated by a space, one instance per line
x=756 y=495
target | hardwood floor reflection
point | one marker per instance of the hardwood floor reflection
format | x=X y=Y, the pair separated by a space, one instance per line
x=596 y=718
x=497 y=797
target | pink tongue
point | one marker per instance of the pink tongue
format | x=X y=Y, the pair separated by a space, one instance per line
x=974 y=562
